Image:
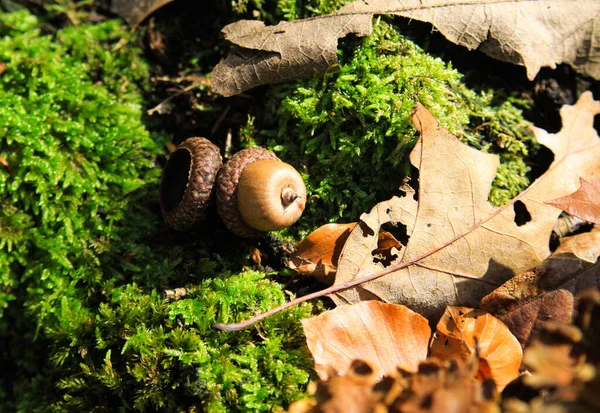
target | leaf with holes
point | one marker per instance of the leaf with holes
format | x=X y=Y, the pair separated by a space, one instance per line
x=516 y=31
x=317 y=255
x=460 y=248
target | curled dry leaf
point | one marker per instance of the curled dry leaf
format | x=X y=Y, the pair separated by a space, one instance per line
x=318 y=254
x=386 y=336
x=520 y=32
x=563 y=361
x=357 y=391
x=585 y=203
x=462 y=332
x=547 y=292
x=460 y=248
x=436 y=386
x=134 y=11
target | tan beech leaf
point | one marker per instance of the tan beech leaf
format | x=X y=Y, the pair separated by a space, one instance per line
x=547 y=292
x=386 y=336
x=134 y=11
x=533 y=33
x=463 y=331
x=585 y=203
x=318 y=253
x=460 y=248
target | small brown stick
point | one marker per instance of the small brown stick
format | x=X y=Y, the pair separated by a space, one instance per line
x=337 y=288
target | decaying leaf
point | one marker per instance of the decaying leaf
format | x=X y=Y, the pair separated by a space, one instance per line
x=547 y=292
x=357 y=391
x=134 y=11
x=585 y=203
x=317 y=255
x=436 y=386
x=462 y=332
x=386 y=336
x=460 y=247
x=532 y=33
x=563 y=364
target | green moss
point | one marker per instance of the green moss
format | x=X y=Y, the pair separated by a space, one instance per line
x=353 y=131
x=84 y=256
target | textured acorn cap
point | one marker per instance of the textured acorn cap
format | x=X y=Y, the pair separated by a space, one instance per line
x=188 y=181
x=227 y=194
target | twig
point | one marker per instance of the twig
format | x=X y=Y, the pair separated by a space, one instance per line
x=337 y=288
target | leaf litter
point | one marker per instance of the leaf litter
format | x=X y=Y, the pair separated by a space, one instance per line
x=460 y=247
x=519 y=32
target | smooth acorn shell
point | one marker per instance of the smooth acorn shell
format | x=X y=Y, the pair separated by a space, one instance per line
x=188 y=181
x=227 y=190
x=271 y=195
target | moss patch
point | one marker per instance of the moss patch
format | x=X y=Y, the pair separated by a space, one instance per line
x=84 y=256
x=352 y=129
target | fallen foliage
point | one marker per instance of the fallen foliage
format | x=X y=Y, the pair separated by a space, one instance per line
x=460 y=247
x=585 y=203
x=462 y=332
x=563 y=364
x=318 y=254
x=436 y=386
x=547 y=292
x=134 y=11
x=519 y=32
x=387 y=336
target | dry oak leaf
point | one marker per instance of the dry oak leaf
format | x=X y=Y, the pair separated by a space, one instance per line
x=533 y=33
x=547 y=292
x=585 y=203
x=460 y=248
x=462 y=332
x=135 y=11
x=386 y=336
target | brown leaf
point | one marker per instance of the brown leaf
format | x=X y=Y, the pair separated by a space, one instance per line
x=562 y=361
x=134 y=11
x=519 y=32
x=357 y=391
x=585 y=203
x=318 y=254
x=547 y=292
x=436 y=386
x=463 y=331
x=460 y=247
x=384 y=335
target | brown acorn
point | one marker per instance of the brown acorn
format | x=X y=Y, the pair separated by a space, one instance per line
x=257 y=193
x=188 y=181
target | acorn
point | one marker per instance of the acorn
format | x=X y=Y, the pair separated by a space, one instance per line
x=258 y=193
x=188 y=181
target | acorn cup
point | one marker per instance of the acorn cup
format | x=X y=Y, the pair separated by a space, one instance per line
x=188 y=182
